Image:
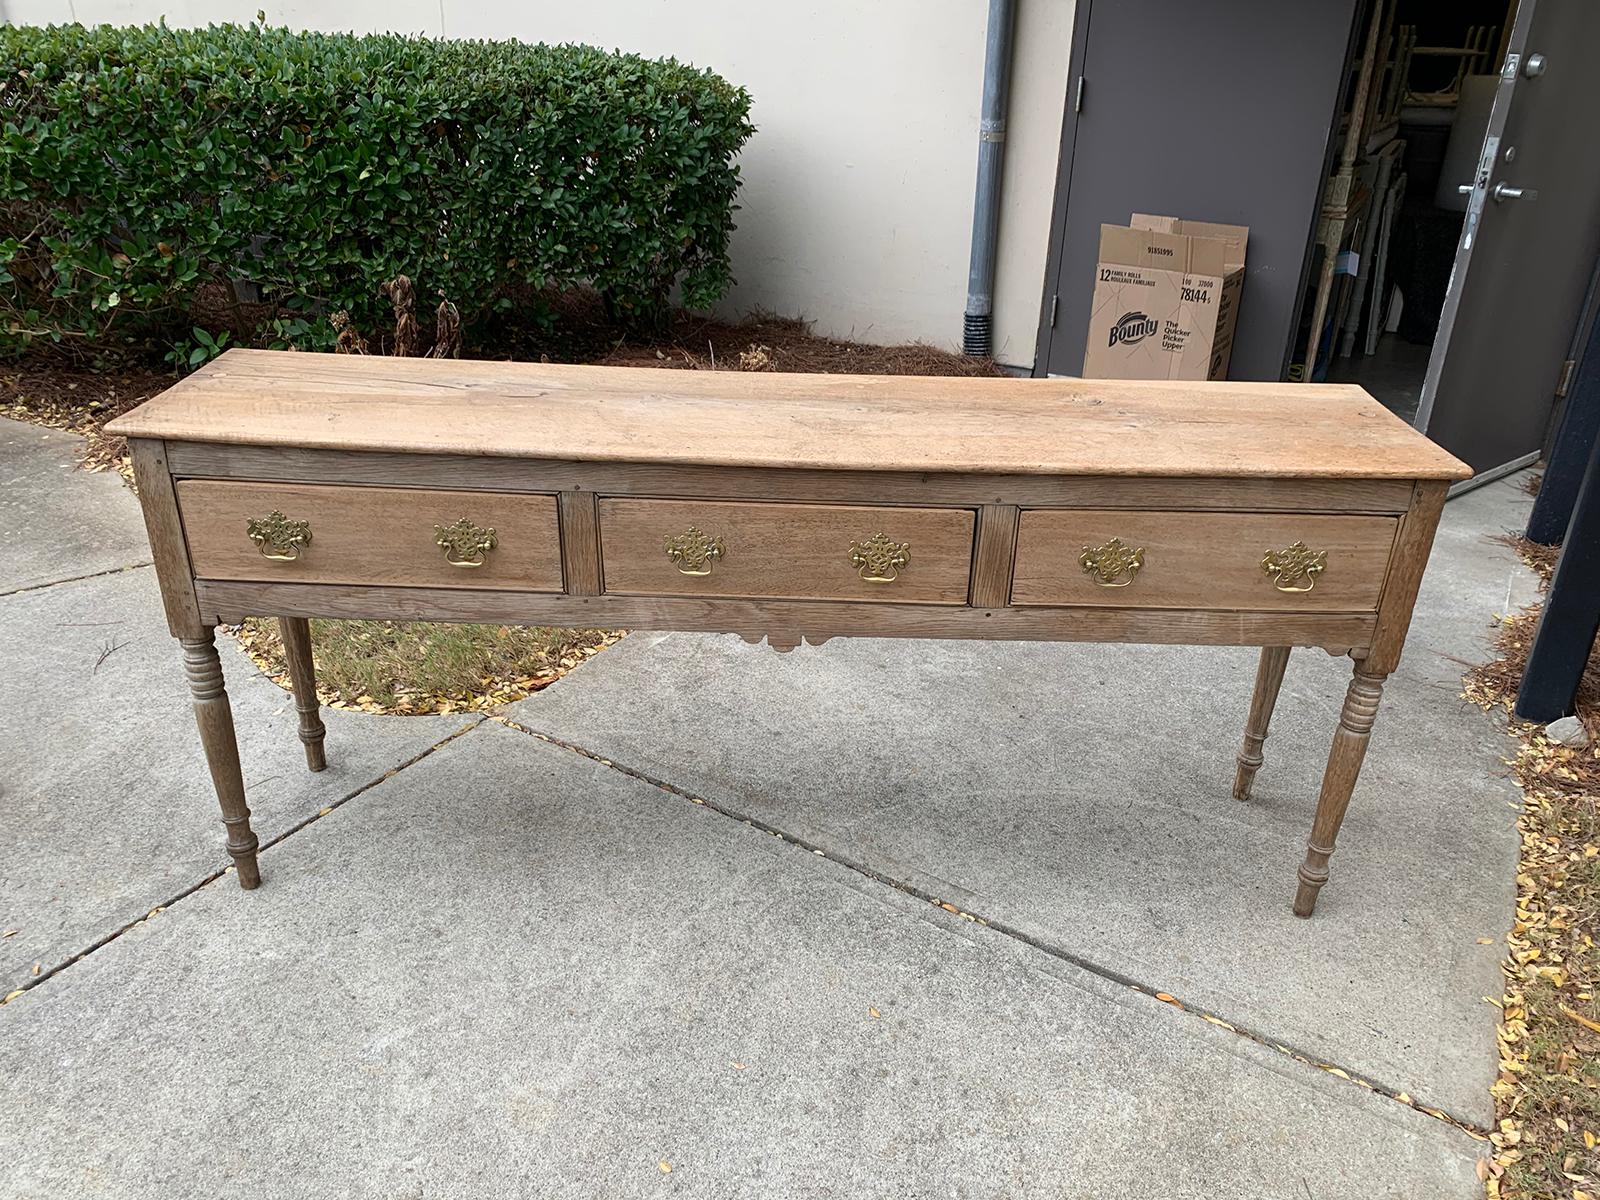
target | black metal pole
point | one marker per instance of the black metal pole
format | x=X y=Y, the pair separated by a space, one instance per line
x=1571 y=612
x=1569 y=457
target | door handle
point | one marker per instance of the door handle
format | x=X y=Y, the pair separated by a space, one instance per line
x=1503 y=191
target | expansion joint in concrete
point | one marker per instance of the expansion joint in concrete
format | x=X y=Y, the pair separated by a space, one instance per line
x=1265 y=1040
x=45 y=976
x=39 y=587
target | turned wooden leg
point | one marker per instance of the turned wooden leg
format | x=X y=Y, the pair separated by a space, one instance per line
x=215 y=718
x=1344 y=764
x=303 y=678
x=1269 y=678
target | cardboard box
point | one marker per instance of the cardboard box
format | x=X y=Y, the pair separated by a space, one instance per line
x=1166 y=298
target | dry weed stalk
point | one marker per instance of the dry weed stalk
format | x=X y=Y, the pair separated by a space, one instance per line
x=407 y=334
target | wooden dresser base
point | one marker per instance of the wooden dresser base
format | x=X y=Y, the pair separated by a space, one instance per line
x=786 y=508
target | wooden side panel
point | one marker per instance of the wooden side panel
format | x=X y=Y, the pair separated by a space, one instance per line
x=372 y=535
x=800 y=551
x=995 y=555
x=1201 y=560
x=816 y=620
x=1412 y=546
x=580 y=543
x=167 y=545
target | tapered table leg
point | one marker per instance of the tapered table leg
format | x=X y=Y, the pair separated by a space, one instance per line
x=1338 y=781
x=303 y=678
x=1269 y=678
x=214 y=716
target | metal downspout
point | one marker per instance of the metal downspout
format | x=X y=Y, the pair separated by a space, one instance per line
x=977 y=334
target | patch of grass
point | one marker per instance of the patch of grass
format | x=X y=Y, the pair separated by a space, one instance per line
x=1547 y=1095
x=1555 y=1154
x=412 y=667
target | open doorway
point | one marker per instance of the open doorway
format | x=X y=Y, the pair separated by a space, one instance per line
x=1420 y=88
x=1341 y=141
x=1457 y=239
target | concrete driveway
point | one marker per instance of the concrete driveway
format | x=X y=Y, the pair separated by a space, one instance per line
x=673 y=926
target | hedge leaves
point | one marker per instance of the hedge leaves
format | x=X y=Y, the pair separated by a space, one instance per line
x=139 y=164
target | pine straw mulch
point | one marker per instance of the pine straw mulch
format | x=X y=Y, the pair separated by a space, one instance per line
x=768 y=343
x=1547 y=1095
x=81 y=401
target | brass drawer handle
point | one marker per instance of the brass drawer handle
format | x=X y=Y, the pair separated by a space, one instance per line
x=878 y=559
x=694 y=551
x=277 y=537
x=1113 y=564
x=464 y=544
x=1295 y=569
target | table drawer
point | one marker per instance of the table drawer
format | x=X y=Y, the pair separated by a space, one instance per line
x=369 y=535
x=1201 y=560
x=796 y=551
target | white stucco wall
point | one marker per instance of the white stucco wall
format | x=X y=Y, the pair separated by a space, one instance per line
x=858 y=185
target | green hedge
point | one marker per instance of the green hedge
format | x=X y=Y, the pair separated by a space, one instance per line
x=140 y=164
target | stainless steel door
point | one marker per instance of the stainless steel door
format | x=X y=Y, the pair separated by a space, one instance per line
x=1527 y=247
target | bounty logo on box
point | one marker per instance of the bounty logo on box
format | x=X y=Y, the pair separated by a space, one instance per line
x=1166 y=298
x=1130 y=328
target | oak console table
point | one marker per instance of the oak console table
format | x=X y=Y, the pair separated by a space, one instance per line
x=786 y=506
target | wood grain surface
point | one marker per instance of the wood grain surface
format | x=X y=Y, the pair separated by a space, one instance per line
x=763 y=419
x=1201 y=560
x=580 y=543
x=195 y=460
x=994 y=555
x=164 y=527
x=371 y=535
x=796 y=551
x=1412 y=546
